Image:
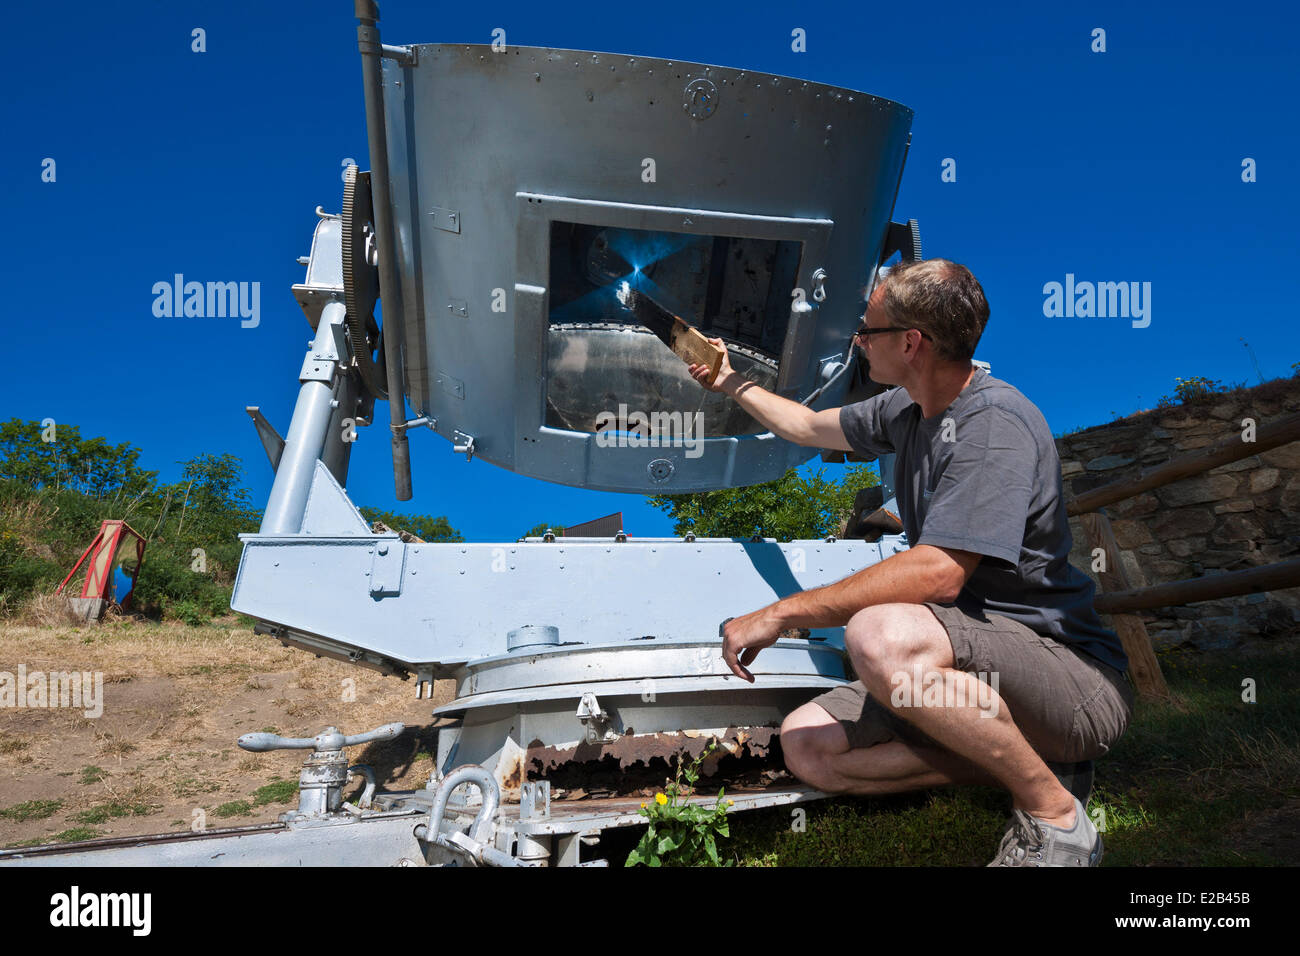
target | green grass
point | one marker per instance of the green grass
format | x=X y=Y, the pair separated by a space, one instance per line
x=112 y=810
x=941 y=828
x=235 y=808
x=92 y=774
x=73 y=835
x=32 y=810
x=1176 y=791
x=277 y=791
x=66 y=836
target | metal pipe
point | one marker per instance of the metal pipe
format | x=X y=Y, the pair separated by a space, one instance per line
x=372 y=52
x=306 y=439
x=368 y=794
x=402 y=54
x=493 y=856
x=338 y=441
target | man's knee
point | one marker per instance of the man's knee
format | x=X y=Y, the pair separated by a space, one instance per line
x=886 y=639
x=810 y=738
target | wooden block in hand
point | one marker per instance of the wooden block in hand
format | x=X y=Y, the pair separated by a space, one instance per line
x=694 y=349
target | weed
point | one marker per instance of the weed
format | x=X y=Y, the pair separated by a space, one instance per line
x=191 y=786
x=116 y=748
x=1192 y=389
x=681 y=833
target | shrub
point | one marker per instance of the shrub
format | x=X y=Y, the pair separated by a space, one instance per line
x=22 y=573
x=169 y=585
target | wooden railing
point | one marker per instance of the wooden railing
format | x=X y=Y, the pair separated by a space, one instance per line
x=1119 y=598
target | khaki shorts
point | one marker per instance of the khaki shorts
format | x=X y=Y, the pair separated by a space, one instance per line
x=1068 y=705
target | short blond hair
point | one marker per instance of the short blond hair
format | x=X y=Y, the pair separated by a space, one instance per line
x=942 y=299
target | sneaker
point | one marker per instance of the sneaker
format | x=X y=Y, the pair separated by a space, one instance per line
x=1031 y=842
x=1074 y=777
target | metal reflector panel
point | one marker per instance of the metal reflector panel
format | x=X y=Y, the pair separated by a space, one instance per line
x=528 y=184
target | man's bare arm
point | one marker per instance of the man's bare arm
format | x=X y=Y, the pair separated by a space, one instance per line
x=784 y=418
x=922 y=573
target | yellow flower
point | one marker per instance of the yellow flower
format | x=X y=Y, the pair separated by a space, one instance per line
x=643 y=804
x=660 y=799
x=731 y=803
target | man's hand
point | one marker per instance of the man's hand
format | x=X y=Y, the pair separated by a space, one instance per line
x=784 y=418
x=744 y=637
x=701 y=372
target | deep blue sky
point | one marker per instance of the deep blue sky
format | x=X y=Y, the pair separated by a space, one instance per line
x=1115 y=166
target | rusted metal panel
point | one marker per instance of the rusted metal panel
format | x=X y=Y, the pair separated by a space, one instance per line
x=632 y=749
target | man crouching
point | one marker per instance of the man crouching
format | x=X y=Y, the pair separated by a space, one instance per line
x=978 y=653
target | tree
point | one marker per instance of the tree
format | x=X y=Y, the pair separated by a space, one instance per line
x=54 y=494
x=216 y=482
x=791 y=507
x=425 y=527
x=211 y=505
x=89 y=465
x=538 y=530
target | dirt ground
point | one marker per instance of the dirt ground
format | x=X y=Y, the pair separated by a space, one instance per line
x=175 y=699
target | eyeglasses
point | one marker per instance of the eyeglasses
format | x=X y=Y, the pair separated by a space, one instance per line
x=866 y=330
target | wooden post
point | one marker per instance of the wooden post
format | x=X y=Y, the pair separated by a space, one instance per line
x=1142 y=662
x=1273 y=435
x=1266 y=577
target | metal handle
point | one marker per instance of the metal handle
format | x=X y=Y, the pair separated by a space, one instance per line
x=260 y=742
x=386 y=732
x=328 y=739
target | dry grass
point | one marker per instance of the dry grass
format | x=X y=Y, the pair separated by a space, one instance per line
x=45 y=610
x=175 y=700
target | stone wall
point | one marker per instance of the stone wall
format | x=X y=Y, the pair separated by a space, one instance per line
x=1236 y=516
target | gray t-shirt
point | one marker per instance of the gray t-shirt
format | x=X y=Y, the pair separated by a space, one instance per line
x=983 y=475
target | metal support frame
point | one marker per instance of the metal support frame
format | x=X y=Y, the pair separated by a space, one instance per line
x=309 y=428
x=399 y=831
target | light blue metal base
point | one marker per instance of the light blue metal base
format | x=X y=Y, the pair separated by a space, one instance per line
x=430 y=608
